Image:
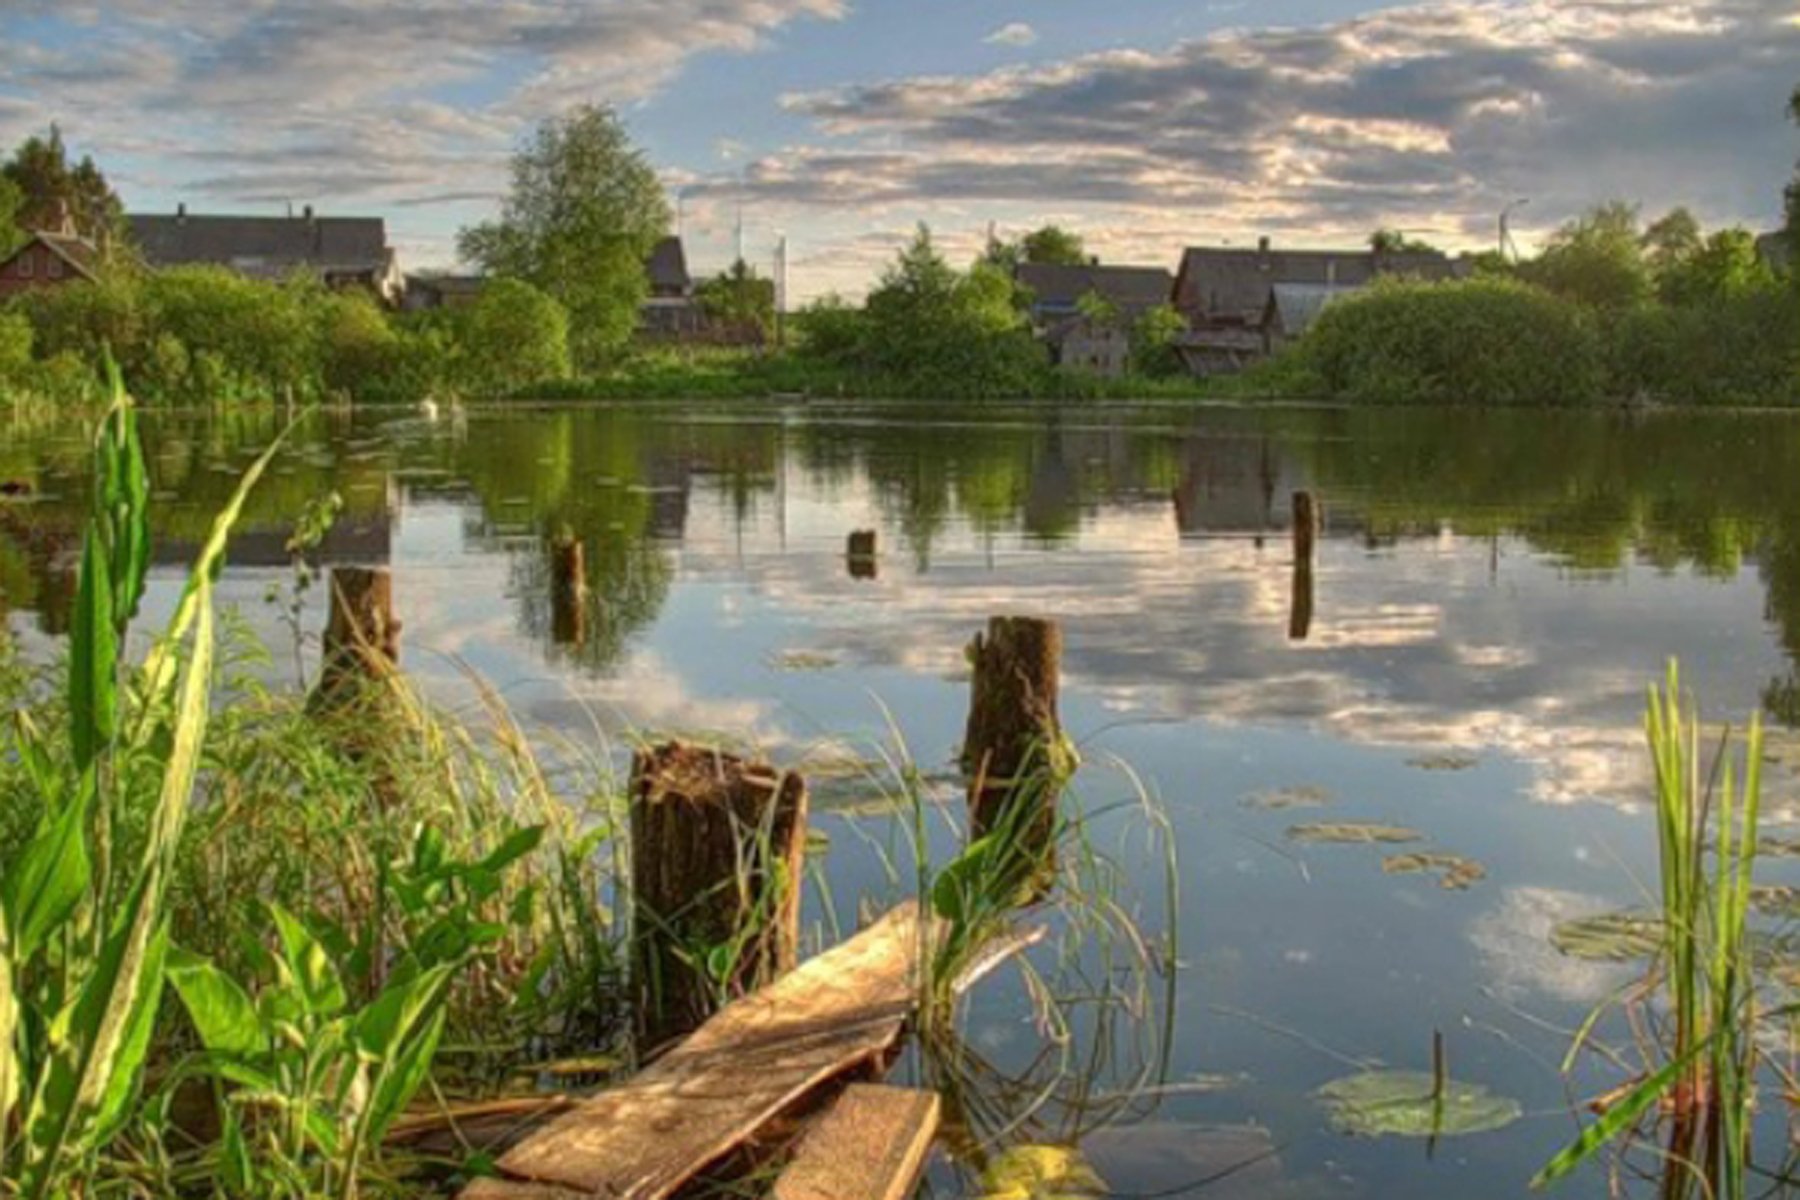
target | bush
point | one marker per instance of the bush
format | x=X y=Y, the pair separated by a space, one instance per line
x=1483 y=341
x=513 y=336
x=1742 y=348
x=262 y=338
x=15 y=346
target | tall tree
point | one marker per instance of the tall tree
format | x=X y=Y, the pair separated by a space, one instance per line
x=50 y=186
x=1053 y=245
x=584 y=212
x=1597 y=259
x=11 y=200
x=740 y=299
x=1394 y=241
x=1793 y=195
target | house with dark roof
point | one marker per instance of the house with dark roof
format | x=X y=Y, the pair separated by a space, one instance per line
x=1225 y=293
x=671 y=310
x=1055 y=291
x=1293 y=307
x=48 y=259
x=344 y=252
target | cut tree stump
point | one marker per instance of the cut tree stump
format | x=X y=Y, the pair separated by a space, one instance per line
x=744 y=1067
x=1014 y=750
x=870 y=1145
x=568 y=592
x=362 y=636
x=718 y=844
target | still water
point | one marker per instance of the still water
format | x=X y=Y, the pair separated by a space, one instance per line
x=1491 y=597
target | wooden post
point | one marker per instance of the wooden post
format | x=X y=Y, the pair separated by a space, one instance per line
x=1014 y=751
x=860 y=552
x=362 y=636
x=717 y=850
x=1308 y=521
x=568 y=592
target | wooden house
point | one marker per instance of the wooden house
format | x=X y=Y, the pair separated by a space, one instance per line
x=343 y=252
x=47 y=260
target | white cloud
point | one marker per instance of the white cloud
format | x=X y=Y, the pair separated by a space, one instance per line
x=1018 y=33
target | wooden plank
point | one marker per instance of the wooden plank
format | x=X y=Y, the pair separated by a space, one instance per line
x=645 y=1138
x=507 y=1189
x=871 y=1145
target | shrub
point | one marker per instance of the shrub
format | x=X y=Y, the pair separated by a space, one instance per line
x=512 y=336
x=1742 y=348
x=1483 y=341
x=262 y=337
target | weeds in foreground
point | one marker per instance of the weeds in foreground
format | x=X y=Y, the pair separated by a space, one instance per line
x=1700 y=995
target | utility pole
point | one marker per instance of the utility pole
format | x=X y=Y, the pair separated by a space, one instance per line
x=781 y=291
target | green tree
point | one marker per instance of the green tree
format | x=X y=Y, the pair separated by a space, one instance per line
x=11 y=201
x=1723 y=265
x=1153 y=338
x=512 y=336
x=1597 y=259
x=740 y=299
x=48 y=185
x=1053 y=245
x=583 y=214
x=1394 y=241
x=1793 y=194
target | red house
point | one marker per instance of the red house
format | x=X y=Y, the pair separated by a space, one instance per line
x=47 y=260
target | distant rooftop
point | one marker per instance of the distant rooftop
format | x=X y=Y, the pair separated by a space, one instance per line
x=1233 y=284
x=258 y=245
x=1060 y=288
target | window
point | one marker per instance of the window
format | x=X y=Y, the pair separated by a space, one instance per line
x=25 y=262
x=53 y=269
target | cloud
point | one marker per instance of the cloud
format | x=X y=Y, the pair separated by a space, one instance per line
x=1430 y=115
x=1018 y=33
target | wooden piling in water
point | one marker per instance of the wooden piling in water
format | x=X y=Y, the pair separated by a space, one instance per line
x=568 y=592
x=862 y=555
x=1309 y=519
x=362 y=635
x=1014 y=753
x=717 y=850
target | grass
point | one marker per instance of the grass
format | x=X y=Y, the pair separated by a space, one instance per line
x=1702 y=1060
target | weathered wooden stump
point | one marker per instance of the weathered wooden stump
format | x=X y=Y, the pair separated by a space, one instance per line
x=861 y=553
x=568 y=592
x=717 y=850
x=1014 y=755
x=362 y=635
x=1309 y=519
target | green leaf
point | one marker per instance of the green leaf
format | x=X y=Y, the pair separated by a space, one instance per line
x=1409 y=1104
x=93 y=658
x=222 y=1012
x=10 y=1067
x=308 y=965
x=1618 y=1118
x=399 y=1033
x=517 y=845
x=49 y=877
x=134 y=1045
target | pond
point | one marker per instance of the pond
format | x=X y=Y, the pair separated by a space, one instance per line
x=1492 y=595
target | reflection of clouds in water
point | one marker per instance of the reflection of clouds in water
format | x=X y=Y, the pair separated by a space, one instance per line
x=1513 y=940
x=646 y=694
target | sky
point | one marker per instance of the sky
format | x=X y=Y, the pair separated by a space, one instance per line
x=1146 y=125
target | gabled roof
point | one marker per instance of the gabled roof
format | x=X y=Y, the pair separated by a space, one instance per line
x=262 y=245
x=78 y=252
x=667 y=267
x=1062 y=287
x=1233 y=284
x=1297 y=305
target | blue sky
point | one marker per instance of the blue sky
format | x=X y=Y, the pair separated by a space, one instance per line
x=1146 y=124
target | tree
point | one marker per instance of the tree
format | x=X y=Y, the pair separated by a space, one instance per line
x=1053 y=245
x=1793 y=194
x=583 y=214
x=1671 y=240
x=48 y=186
x=11 y=200
x=1597 y=259
x=740 y=300
x=1153 y=338
x=513 y=335
x=1724 y=265
x=1394 y=241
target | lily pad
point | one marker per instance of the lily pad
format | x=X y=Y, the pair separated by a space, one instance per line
x=1778 y=847
x=803 y=660
x=1455 y=873
x=1353 y=833
x=1040 y=1173
x=1450 y=761
x=1609 y=937
x=1280 y=799
x=1778 y=900
x=1402 y=1103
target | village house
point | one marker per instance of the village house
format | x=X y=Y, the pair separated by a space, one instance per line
x=1293 y=307
x=344 y=252
x=671 y=310
x=1074 y=337
x=47 y=259
x=1227 y=295
x=431 y=290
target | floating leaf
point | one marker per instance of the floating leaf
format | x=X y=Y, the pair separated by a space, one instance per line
x=1040 y=1173
x=1279 y=799
x=1609 y=937
x=1776 y=900
x=1778 y=847
x=802 y=660
x=1353 y=833
x=1402 y=1103
x=1455 y=873
x=1450 y=761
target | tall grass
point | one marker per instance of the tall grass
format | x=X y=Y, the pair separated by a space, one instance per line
x=1702 y=1077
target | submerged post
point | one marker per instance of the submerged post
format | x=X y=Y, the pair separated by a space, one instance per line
x=1308 y=520
x=860 y=552
x=362 y=636
x=1014 y=754
x=717 y=850
x=568 y=592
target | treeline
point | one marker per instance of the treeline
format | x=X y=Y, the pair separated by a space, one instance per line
x=1611 y=311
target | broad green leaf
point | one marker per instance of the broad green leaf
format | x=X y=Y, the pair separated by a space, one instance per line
x=93 y=658
x=308 y=965
x=10 y=1067
x=1614 y=1121
x=134 y=1045
x=1404 y=1103
x=517 y=845
x=1610 y=937
x=49 y=877
x=399 y=1034
x=1040 y=1172
x=222 y=1013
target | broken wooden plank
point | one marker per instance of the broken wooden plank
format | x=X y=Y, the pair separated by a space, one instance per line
x=870 y=1145
x=507 y=1189
x=645 y=1138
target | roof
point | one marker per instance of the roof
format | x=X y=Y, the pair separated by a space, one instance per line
x=262 y=245
x=1062 y=287
x=78 y=252
x=667 y=267
x=448 y=285
x=1233 y=284
x=1298 y=305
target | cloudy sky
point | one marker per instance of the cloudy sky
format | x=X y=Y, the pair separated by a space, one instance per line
x=1147 y=124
